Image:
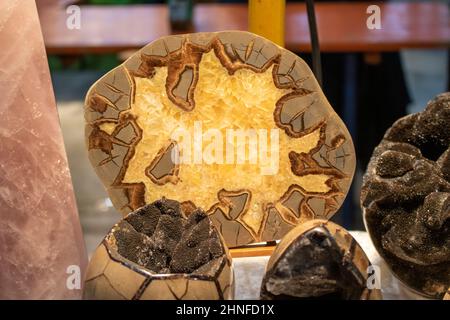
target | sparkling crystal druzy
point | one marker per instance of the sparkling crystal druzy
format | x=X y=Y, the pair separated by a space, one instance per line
x=156 y=252
x=406 y=198
x=318 y=260
x=213 y=83
x=41 y=245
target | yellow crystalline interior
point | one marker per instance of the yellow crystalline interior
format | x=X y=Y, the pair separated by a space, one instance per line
x=245 y=100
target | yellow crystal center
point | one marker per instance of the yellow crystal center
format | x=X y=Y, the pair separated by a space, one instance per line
x=245 y=100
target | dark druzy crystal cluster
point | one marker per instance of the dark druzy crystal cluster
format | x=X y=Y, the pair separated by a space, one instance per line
x=406 y=198
x=161 y=239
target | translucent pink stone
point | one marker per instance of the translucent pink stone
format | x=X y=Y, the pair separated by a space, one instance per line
x=40 y=233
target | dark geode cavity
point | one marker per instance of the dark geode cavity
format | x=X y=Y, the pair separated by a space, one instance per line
x=318 y=261
x=406 y=198
x=160 y=238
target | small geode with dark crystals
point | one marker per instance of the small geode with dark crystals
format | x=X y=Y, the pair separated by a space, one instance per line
x=318 y=260
x=406 y=198
x=161 y=251
x=158 y=237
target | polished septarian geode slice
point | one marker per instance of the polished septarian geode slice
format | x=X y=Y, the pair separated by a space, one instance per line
x=224 y=80
x=318 y=260
x=406 y=198
x=157 y=252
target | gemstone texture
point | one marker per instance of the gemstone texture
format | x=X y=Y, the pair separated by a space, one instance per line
x=41 y=244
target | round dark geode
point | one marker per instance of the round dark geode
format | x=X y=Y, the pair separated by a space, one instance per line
x=163 y=250
x=406 y=198
x=318 y=260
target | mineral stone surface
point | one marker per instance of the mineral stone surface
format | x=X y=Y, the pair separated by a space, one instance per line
x=42 y=254
x=318 y=260
x=406 y=198
x=258 y=145
x=156 y=252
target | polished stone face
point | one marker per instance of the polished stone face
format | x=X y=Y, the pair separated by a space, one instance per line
x=406 y=198
x=204 y=85
x=40 y=234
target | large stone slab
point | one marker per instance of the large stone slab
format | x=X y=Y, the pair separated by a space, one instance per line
x=208 y=85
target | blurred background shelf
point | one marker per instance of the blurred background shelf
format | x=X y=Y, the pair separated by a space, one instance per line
x=341 y=25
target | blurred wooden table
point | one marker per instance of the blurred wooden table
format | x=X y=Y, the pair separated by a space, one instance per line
x=342 y=26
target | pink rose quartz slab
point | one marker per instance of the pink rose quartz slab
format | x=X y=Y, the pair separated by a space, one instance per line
x=41 y=244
